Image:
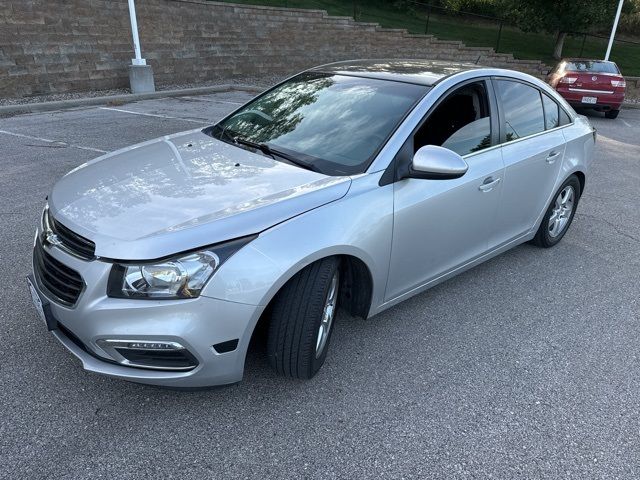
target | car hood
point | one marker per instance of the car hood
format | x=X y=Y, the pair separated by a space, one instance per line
x=182 y=192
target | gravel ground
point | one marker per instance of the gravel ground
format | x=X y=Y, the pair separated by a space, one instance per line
x=527 y=366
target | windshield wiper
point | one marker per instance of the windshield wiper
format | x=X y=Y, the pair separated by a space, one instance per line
x=266 y=149
x=235 y=139
x=224 y=133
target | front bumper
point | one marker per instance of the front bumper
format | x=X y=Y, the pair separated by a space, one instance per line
x=197 y=324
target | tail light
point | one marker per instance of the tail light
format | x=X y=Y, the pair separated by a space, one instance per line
x=618 y=83
x=568 y=80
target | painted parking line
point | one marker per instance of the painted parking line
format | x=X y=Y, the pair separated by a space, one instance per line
x=626 y=123
x=154 y=115
x=53 y=142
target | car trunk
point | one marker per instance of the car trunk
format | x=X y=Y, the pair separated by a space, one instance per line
x=596 y=81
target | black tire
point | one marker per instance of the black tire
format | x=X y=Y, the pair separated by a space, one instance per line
x=612 y=114
x=544 y=237
x=296 y=319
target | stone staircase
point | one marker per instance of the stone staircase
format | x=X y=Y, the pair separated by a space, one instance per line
x=439 y=49
x=262 y=40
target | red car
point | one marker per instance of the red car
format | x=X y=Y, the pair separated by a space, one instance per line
x=596 y=84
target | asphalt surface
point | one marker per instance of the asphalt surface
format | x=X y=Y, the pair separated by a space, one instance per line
x=524 y=367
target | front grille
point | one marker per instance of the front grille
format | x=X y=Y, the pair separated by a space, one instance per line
x=73 y=242
x=62 y=282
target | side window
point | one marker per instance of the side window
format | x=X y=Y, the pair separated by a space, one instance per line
x=460 y=123
x=522 y=107
x=551 y=112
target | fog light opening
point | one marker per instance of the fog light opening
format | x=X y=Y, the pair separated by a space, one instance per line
x=158 y=355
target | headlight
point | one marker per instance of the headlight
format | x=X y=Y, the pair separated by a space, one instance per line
x=182 y=276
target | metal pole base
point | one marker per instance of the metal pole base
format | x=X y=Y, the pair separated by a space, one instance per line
x=141 y=79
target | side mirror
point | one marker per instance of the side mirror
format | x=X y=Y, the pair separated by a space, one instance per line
x=437 y=163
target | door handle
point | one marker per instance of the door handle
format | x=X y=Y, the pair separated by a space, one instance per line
x=488 y=184
x=552 y=157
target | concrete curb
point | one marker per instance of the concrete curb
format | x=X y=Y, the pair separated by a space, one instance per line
x=630 y=105
x=127 y=98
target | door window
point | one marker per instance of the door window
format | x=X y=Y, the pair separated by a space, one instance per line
x=522 y=107
x=461 y=122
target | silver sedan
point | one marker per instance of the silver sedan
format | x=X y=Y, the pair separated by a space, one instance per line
x=351 y=186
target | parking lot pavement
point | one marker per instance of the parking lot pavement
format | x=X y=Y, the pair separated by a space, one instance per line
x=527 y=366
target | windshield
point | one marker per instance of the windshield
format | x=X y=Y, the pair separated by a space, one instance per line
x=592 y=66
x=334 y=124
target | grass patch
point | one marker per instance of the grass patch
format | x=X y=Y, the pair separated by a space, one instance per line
x=529 y=46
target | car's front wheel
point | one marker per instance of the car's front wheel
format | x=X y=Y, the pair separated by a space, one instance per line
x=302 y=319
x=559 y=215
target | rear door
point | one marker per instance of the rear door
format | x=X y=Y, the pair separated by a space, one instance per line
x=533 y=149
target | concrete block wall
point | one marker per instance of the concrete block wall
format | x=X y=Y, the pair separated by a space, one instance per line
x=49 y=46
x=633 y=87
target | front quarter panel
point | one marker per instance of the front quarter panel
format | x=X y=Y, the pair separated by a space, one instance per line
x=360 y=224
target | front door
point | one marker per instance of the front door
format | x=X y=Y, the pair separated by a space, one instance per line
x=442 y=224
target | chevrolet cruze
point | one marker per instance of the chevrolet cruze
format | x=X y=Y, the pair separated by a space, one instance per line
x=351 y=186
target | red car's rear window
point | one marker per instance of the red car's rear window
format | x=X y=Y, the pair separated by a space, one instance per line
x=592 y=66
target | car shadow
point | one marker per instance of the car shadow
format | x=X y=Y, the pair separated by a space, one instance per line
x=589 y=112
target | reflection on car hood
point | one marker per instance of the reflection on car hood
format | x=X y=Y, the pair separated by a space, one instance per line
x=182 y=192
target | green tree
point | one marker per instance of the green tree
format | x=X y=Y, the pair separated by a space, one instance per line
x=630 y=19
x=560 y=16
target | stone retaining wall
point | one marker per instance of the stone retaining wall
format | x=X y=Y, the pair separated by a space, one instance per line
x=50 y=46
x=633 y=87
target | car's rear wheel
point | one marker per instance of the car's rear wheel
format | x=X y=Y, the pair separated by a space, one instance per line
x=611 y=113
x=559 y=215
x=302 y=320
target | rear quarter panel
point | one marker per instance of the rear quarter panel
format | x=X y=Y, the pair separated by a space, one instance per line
x=580 y=145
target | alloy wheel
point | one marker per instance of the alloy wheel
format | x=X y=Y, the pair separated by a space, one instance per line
x=328 y=314
x=562 y=210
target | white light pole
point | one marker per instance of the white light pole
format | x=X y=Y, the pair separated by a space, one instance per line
x=140 y=74
x=613 y=30
x=134 y=31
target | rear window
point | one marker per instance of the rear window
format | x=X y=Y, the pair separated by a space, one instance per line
x=592 y=66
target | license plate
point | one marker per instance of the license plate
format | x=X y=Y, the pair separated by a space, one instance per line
x=589 y=99
x=37 y=302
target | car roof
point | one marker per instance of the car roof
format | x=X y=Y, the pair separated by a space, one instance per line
x=422 y=72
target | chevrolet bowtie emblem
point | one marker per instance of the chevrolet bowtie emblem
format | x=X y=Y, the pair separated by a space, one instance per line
x=51 y=238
